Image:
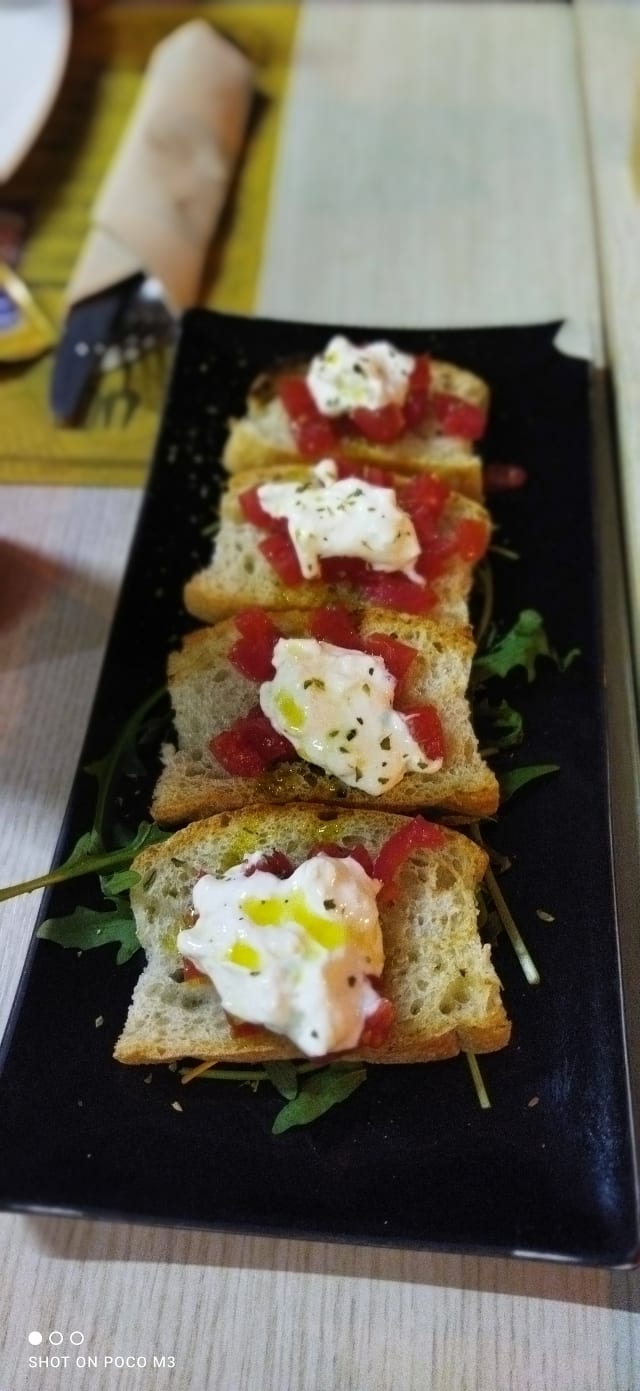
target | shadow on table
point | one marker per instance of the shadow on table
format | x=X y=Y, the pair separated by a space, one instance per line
x=54 y=622
x=48 y=609
x=63 y=1239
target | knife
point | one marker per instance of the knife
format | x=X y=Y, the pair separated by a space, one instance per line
x=89 y=327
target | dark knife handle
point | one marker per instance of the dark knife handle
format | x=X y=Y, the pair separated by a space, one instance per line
x=88 y=329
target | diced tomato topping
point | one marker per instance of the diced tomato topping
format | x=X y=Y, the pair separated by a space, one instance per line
x=415 y=409
x=424 y=499
x=295 y=396
x=417 y=834
x=458 y=417
x=280 y=552
x=253 y=511
x=334 y=625
x=468 y=539
x=397 y=656
x=272 y=746
x=361 y=854
x=417 y=398
x=251 y=745
x=397 y=592
x=472 y=539
x=336 y=569
x=256 y=625
x=272 y=862
x=252 y=654
x=426 y=727
x=236 y=754
x=426 y=522
x=420 y=378
x=499 y=478
x=433 y=560
x=315 y=437
x=190 y=973
x=377 y=1027
x=313 y=432
x=381 y=426
x=425 y=490
x=340 y=852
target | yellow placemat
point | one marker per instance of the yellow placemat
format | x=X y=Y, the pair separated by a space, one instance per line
x=56 y=187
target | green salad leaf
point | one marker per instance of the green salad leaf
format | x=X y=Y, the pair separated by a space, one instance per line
x=521 y=646
x=284 y=1077
x=119 y=882
x=503 y=722
x=310 y=1089
x=89 y=857
x=90 y=854
x=319 y=1093
x=514 y=778
x=86 y=928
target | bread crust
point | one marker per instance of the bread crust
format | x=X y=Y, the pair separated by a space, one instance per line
x=429 y=928
x=209 y=694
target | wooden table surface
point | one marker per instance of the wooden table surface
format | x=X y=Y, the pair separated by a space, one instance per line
x=441 y=163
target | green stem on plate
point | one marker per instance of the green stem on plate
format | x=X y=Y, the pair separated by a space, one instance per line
x=506 y=918
x=222 y=1074
x=478 y=1081
x=94 y=864
x=485 y=578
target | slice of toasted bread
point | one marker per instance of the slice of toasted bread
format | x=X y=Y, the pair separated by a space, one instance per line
x=209 y=694
x=239 y=576
x=438 y=975
x=263 y=436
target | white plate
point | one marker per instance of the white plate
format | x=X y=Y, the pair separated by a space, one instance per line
x=34 y=42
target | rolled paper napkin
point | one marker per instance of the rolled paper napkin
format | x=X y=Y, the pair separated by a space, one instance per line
x=164 y=193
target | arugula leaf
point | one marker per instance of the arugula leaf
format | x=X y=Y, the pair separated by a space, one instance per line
x=119 y=882
x=284 y=1077
x=106 y=769
x=88 y=844
x=84 y=861
x=515 y=778
x=322 y=1091
x=519 y=647
x=90 y=855
x=148 y=833
x=505 y=722
x=86 y=928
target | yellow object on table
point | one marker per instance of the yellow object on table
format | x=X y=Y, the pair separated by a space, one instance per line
x=25 y=333
x=56 y=188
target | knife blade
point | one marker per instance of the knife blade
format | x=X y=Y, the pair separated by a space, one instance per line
x=89 y=327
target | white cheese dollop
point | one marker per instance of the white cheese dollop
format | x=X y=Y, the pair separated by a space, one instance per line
x=292 y=954
x=336 y=708
x=327 y=516
x=344 y=378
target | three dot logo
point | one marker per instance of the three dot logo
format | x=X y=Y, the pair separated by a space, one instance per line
x=55 y=1337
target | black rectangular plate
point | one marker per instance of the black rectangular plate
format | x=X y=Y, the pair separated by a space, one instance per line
x=410 y=1159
